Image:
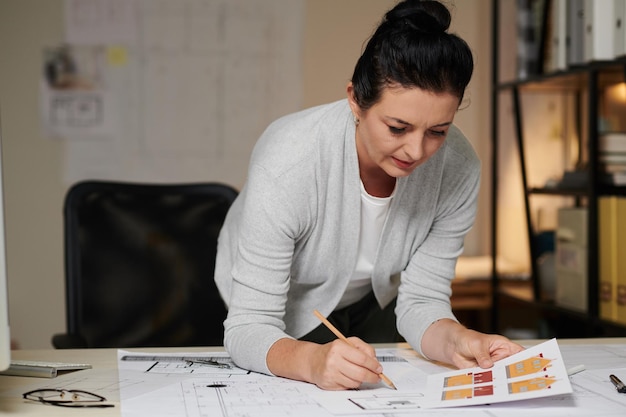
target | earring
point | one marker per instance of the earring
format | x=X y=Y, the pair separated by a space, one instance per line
x=356 y=120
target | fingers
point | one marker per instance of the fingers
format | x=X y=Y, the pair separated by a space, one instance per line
x=502 y=348
x=343 y=366
x=368 y=361
x=479 y=349
x=483 y=359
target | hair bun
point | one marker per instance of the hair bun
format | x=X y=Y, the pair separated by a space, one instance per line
x=423 y=15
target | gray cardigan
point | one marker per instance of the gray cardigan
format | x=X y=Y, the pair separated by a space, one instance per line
x=289 y=243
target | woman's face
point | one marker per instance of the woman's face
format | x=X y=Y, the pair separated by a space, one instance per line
x=400 y=132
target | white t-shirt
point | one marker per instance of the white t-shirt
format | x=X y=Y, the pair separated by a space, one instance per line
x=374 y=212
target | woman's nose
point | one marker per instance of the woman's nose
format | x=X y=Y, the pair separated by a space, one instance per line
x=414 y=146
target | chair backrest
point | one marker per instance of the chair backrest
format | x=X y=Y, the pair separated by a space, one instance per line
x=140 y=260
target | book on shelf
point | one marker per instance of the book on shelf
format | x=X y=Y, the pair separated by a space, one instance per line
x=613 y=168
x=610 y=142
x=612 y=258
x=612 y=157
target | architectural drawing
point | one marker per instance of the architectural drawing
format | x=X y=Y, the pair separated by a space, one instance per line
x=275 y=397
x=210 y=384
x=388 y=403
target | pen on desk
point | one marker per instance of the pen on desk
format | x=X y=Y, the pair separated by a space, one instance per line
x=619 y=385
x=342 y=337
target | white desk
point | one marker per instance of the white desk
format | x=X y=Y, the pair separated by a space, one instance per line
x=104 y=362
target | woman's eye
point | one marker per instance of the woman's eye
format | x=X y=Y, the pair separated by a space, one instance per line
x=438 y=133
x=396 y=130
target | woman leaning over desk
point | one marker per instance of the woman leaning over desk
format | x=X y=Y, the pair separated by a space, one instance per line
x=359 y=209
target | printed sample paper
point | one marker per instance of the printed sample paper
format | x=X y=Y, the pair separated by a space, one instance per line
x=533 y=373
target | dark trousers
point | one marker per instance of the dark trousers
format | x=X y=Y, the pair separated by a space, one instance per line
x=364 y=319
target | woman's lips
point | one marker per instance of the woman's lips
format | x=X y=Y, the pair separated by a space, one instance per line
x=402 y=164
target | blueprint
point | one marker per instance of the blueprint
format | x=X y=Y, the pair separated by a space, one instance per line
x=194 y=385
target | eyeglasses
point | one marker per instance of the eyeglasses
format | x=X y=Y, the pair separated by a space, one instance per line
x=66 y=397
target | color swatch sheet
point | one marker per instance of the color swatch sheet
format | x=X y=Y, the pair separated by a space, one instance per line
x=536 y=372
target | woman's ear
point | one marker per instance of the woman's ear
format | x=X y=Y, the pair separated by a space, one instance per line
x=356 y=110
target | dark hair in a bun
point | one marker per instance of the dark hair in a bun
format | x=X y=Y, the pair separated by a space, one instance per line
x=412 y=48
x=425 y=16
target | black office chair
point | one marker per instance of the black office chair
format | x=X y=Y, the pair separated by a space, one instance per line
x=139 y=262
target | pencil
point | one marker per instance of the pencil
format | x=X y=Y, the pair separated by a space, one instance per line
x=342 y=337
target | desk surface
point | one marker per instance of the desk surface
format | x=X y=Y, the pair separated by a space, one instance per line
x=105 y=360
x=12 y=387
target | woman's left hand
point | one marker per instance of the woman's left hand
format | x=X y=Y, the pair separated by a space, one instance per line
x=465 y=348
x=473 y=348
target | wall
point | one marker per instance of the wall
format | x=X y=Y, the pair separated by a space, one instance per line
x=334 y=34
x=32 y=176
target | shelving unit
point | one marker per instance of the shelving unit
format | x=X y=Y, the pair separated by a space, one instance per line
x=583 y=85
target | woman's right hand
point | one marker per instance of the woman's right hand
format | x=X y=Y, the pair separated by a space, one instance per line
x=336 y=365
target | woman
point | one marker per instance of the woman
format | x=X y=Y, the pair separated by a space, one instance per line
x=359 y=209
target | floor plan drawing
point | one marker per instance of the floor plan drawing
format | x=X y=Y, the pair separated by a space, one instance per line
x=210 y=384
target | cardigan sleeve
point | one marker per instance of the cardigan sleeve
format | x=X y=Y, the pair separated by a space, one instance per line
x=425 y=289
x=262 y=255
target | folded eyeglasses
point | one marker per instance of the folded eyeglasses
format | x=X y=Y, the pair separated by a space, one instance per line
x=66 y=397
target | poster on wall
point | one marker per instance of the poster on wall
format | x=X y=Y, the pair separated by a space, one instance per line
x=75 y=103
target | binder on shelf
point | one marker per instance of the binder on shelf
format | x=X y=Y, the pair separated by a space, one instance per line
x=575 y=32
x=607 y=257
x=527 y=42
x=619 y=28
x=558 y=35
x=620 y=298
x=599 y=35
